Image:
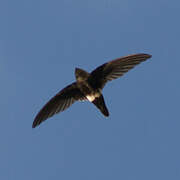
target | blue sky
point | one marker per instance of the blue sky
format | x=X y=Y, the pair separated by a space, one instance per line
x=41 y=43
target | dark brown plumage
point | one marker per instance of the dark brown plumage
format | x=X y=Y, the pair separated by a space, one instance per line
x=88 y=86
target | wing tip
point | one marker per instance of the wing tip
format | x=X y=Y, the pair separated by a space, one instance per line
x=34 y=124
x=147 y=56
x=37 y=121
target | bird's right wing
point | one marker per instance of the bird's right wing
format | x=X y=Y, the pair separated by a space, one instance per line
x=115 y=69
x=59 y=102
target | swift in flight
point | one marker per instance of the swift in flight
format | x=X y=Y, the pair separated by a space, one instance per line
x=88 y=86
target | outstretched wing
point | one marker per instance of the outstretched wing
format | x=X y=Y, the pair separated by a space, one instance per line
x=58 y=103
x=115 y=69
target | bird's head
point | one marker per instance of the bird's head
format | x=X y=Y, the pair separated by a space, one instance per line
x=81 y=75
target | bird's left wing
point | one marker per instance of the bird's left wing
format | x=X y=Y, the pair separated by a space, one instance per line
x=59 y=102
x=115 y=69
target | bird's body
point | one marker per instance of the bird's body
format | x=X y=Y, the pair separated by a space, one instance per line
x=92 y=94
x=88 y=86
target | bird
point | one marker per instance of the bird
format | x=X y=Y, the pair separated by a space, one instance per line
x=88 y=86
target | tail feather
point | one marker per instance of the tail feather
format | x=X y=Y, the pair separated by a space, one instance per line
x=100 y=104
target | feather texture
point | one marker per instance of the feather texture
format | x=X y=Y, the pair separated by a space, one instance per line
x=114 y=69
x=60 y=102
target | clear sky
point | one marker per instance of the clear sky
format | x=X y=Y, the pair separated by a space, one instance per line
x=41 y=43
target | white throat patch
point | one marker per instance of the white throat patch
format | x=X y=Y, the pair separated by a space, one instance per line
x=92 y=97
